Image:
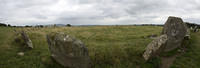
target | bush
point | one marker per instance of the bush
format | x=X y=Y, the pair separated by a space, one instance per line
x=69 y=25
x=2 y=24
x=9 y=25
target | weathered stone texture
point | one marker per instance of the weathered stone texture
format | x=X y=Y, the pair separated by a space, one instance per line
x=68 y=51
x=175 y=30
x=155 y=47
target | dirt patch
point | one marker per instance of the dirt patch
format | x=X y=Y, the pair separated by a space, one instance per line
x=137 y=66
x=166 y=62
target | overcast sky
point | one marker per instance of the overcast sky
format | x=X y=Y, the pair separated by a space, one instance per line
x=97 y=12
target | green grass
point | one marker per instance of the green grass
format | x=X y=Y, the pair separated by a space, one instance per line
x=109 y=47
x=191 y=58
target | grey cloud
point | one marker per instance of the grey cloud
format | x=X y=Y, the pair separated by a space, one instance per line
x=101 y=12
x=192 y=20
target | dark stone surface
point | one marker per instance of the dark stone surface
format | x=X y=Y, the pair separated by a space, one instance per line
x=27 y=40
x=155 y=47
x=175 y=30
x=68 y=51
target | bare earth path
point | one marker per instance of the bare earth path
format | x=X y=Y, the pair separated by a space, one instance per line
x=166 y=62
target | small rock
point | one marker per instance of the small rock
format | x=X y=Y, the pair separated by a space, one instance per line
x=152 y=36
x=179 y=50
x=20 y=53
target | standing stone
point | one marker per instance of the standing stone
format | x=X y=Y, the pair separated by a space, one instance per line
x=27 y=40
x=68 y=51
x=155 y=47
x=196 y=29
x=175 y=30
x=187 y=36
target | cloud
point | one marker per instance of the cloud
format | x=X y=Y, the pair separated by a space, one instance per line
x=97 y=12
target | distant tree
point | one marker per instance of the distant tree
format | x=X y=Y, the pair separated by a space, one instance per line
x=68 y=25
x=2 y=24
x=27 y=26
x=40 y=26
x=54 y=25
x=189 y=25
x=9 y=25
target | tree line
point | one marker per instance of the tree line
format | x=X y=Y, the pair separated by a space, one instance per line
x=5 y=25
x=8 y=25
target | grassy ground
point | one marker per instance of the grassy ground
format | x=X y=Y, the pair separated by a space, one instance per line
x=191 y=58
x=109 y=47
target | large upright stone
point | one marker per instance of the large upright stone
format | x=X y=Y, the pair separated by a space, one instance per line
x=68 y=51
x=155 y=47
x=175 y=30
x=27 y=40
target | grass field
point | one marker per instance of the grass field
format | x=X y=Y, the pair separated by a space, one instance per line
x=109 y=47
